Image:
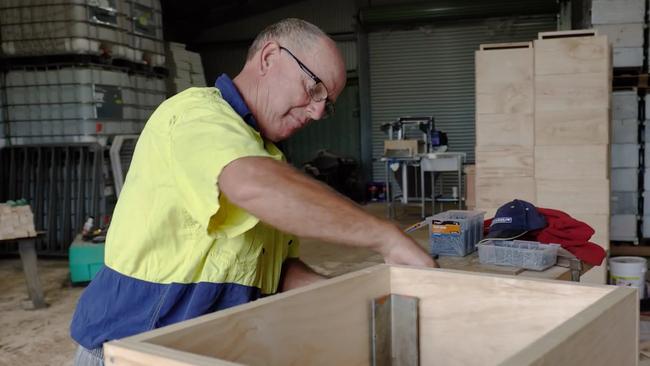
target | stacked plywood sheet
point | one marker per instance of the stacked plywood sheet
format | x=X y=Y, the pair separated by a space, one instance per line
x=504 y=124
x=16 y=222
x=185 y=68
x=553 y=149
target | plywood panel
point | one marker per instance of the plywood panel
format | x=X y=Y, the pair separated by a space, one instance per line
x=605 y=334
x=572 y=162
x=494 y=192
x=572 y=126
x=575 y=196
x=596 y=275
x=504 y=129
x=504 y=161
x=250 y=334
x=492 y=337
x=572 y=55
x=504 y=81
x=572 y=91
x=464 y=319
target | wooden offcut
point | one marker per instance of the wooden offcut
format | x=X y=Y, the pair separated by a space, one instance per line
x=16 y=222
x=465 y=319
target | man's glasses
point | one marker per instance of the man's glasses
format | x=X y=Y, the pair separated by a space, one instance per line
x=317 y=92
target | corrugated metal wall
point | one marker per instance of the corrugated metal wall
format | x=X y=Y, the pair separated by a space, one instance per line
x=430 y=71
x=339 y=134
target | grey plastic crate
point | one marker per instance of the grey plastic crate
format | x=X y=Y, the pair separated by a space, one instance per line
x=645 y=226
x=624 y=155
x=623 y=228
x=518 y=253
x=455 y=232
x=624 y=179
x=625 y=131
x=617 y=12
x=58 y=103
x=624 y=203
x=625 y=105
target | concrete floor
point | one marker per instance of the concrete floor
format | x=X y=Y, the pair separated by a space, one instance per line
x=41 y=337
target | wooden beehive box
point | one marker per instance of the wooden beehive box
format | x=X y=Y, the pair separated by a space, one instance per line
x=464 y=319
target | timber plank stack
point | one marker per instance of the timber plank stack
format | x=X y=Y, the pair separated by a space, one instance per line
x=565 y=165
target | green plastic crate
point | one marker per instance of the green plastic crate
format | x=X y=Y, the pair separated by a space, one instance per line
x=86 y=259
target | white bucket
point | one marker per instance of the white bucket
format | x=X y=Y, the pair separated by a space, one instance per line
x=628 y=271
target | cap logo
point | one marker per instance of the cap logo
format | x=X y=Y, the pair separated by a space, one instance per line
x=501 y=220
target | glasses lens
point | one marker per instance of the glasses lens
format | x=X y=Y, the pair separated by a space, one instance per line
x=318 y=92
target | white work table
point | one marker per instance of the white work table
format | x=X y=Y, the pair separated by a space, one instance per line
x=426 y=163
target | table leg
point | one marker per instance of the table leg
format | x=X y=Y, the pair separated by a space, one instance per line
x=422 y=191
x=389 y=197
x=27 y=250
x=460 y=185
x=405 y=184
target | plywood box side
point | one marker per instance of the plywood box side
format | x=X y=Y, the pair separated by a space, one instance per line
x=573 y=55
x=595 y=275
x=572 y=91
x=505 y=129
x=606 y=333
x=456 y=331
x=494 y=192
x=504 y=161
x=125 y=353
x=572 y=162
x=277 y=326
x=574 y=196
x=572 y=127
x=504 y=81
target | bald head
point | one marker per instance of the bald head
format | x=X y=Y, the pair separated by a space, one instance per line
x=292 y=32
x=282 y=81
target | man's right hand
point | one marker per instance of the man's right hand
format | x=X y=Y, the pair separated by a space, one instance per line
x=404 y=250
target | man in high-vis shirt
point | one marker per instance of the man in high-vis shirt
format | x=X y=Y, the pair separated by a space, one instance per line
x=210 y=211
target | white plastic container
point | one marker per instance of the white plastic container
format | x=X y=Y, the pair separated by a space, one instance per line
x=630 y=272
x=145 y=31
x=36 y=28
x=65 y=103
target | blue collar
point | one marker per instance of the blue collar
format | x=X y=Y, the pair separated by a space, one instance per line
x=231 y=95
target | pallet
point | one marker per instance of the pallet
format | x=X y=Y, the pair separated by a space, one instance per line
x=52 y=61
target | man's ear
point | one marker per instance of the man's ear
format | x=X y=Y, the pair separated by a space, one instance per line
x=268 y=56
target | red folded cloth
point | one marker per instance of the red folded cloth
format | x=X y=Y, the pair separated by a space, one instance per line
x=573 y=235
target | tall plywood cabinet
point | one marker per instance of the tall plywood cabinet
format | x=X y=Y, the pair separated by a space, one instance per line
x=543 y=127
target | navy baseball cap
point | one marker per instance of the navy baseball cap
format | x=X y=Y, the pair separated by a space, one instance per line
x=515 y=219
